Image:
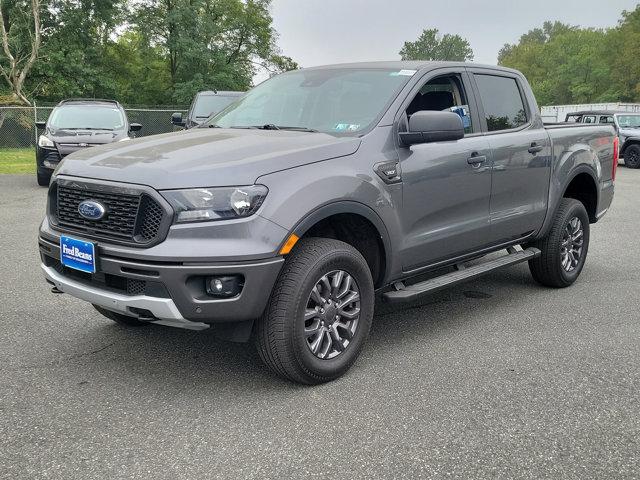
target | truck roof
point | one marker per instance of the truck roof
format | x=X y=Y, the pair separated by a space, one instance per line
x=601 y=112
x=220 y=93
x=412 y=65
x=88 y=101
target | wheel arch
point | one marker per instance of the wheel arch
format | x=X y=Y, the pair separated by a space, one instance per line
x=583 y=186
x=342 y=220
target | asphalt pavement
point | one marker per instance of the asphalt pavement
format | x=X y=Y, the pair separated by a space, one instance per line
x=497 y=378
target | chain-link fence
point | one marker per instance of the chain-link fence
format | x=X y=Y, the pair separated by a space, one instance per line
x=18 y=128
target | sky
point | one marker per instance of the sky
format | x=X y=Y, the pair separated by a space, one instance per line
x=317 y=32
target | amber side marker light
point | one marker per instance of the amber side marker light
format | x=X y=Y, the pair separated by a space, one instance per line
x=289 y=244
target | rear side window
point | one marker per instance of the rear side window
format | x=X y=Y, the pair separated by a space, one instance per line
x=502 y=101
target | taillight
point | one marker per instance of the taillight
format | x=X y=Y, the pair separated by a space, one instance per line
x=616 y=155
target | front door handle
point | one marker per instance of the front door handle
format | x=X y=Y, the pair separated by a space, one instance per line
x=476 y=159
x=535 y=148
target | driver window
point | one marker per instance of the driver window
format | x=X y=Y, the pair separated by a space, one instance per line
x=445 y=93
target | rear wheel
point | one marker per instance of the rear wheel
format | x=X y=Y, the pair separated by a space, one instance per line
x=632 y=156
x=564 y=249
x=121 y=319
x=319 y=314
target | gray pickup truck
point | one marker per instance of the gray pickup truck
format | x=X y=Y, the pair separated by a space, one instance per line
x=281 y=218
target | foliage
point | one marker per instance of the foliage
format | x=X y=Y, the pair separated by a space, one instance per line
x=567 y=64
x=20 y=36
x=433 y=46
x=150 y=51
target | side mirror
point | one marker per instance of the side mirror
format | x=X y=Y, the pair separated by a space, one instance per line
x=41 y=125
x=432 y=126
x=135 y=127
x=176 y=119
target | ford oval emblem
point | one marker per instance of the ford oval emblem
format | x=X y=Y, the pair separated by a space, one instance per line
x=92 y=210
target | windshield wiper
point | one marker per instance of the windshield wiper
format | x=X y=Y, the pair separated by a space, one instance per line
x=299 y=129
x=268 y=126
x=272 y=126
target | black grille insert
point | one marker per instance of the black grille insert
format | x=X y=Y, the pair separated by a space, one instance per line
x=130 y=218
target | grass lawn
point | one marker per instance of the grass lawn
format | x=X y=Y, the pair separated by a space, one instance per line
x=17 y=160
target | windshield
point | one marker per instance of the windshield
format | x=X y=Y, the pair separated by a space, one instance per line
x=96 y=117
x=207 y=105
x=335 y=101
x=628 y=121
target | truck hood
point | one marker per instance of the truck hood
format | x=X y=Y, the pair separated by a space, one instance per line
x=205 y=157
x=90 y=137
x=629 y=132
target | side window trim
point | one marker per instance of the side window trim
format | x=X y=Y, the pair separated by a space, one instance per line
x=480 y=106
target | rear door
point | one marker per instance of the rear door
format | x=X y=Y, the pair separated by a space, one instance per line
x=521 y=154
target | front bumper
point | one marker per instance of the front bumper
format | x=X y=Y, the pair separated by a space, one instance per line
x=48 y=158
x=164 y=290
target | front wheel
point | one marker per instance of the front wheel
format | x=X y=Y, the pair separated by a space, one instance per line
x=564 y=249
x=319 y=314
x=632 y=156
x=43 y=177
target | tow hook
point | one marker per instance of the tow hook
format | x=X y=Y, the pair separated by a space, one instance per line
x=55 y=290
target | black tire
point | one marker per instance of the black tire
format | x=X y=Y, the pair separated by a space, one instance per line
x=43 y=177
x=548 y=268
x=120 y=319
x=280 y=332
x=632 y=156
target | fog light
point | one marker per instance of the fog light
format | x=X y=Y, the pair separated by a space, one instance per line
x=224 y=287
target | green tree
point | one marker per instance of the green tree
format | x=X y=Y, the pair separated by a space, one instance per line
x=74 y=61
x=20 y=36
x=138 y=51
x=623 y=45
x=433 y=46
x=210 y=44
x=564 y=64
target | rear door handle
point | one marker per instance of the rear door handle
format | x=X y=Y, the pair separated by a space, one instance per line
x=535 y=148
x=476 y=159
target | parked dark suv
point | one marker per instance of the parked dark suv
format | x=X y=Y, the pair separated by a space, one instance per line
x=204 y=105
x=76 y=124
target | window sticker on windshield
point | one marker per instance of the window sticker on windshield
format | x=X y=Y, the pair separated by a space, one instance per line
x=347 y=127
x=403 y=73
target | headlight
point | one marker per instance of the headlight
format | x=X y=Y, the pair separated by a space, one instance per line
x=45 y=141
x=203 y=204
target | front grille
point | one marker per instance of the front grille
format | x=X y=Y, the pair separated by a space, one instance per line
x=136 y=287
x=131 y=218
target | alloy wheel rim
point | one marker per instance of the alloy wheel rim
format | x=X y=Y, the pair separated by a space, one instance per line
x=572 y=244
x=332 y=314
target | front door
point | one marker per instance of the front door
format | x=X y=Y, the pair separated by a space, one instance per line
x=446 y=185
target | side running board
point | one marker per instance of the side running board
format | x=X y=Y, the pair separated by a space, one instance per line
x=411 y=292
